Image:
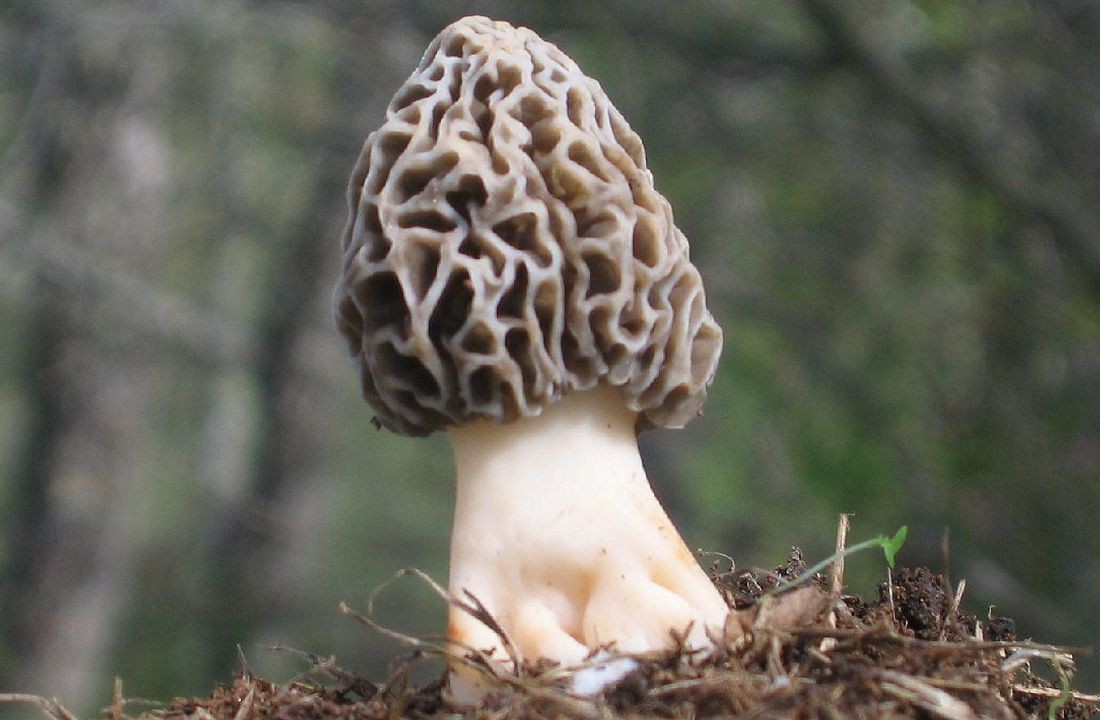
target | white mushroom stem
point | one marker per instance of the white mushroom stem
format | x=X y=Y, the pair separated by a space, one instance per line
x=559 y=535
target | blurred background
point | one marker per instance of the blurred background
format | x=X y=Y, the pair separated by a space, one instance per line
x=893 y=204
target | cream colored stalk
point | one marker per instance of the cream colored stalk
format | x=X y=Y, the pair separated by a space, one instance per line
x=558 y=533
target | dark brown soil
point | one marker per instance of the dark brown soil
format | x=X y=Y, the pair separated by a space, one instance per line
x=909 y=653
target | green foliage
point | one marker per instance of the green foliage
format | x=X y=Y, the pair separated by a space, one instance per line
x=890 y=547
x=911 y=323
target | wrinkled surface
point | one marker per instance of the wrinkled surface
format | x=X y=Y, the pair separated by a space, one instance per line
x=506 y=246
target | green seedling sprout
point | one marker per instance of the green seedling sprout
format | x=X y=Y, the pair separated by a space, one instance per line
x=890 y=547
x=1059 y=702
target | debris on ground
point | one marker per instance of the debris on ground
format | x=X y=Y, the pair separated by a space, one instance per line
x=810 y=652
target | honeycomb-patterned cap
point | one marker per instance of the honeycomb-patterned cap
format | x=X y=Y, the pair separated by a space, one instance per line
x=506 y=246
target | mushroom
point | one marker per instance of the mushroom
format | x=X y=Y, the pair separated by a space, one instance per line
x=511 y=276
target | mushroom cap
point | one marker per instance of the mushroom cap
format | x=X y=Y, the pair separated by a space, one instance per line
x=506 y=246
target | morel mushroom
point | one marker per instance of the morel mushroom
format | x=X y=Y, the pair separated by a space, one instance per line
x=511 y=276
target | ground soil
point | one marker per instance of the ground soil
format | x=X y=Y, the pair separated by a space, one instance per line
x=910 y=652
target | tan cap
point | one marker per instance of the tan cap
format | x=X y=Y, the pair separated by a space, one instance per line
x=506 y=246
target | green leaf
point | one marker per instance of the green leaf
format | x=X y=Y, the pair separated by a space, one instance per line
x=890 y=547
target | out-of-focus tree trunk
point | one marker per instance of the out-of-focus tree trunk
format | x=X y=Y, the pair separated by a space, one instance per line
x=251 y=535
x=32 y=526
x=30 y=522
x=81 y=578
x=70 y=537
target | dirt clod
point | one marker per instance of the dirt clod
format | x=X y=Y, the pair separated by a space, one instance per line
x=1001 y=628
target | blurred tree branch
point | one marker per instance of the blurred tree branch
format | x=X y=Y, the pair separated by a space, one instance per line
x=133 y=303
x=1075 y=229
x=138 y=307
x=707 y=42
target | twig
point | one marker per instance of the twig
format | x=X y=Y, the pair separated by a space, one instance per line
x=117 y=701
x=245 y=668
x=836 y=575
x=470 y=656
x=715 y=573
x=952 y=617
x=890 y=594
x=246 y=705
x=881 y=634
x=836 y=578
x=356 y=683
x=472 y=605
x=322 y=668
x=1053 y=693
x=1055 y=656
x=476 y=658
x=408 y=640
x=50 y=706
x=930 y=699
